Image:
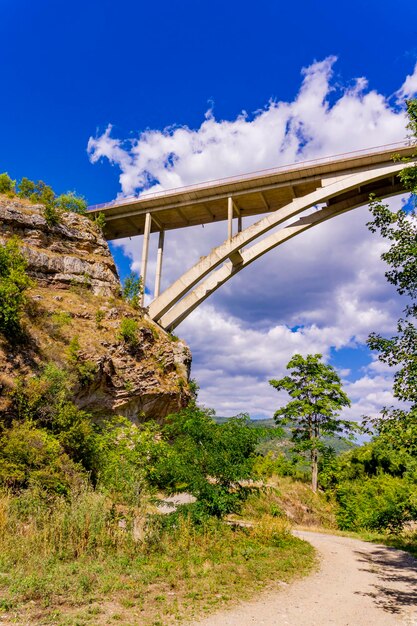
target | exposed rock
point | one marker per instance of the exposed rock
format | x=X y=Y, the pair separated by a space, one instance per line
x=148 y=380
x=73 y=252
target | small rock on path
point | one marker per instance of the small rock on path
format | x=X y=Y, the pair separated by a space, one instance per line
x=358 y=584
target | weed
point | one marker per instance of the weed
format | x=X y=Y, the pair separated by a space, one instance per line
x=128 y=332
x=99 y=317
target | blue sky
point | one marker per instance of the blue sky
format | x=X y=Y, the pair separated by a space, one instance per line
x=71 y=69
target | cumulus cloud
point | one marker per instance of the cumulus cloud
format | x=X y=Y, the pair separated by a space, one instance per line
x=282 y=132
x=324 y=290
x=409 y=87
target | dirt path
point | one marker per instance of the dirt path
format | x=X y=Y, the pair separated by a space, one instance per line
x=358 y=584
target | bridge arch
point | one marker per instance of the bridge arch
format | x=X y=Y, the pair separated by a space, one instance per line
x=338 y=196
x=282 y=196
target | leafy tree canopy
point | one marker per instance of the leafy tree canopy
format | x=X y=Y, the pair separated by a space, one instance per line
x=399 y=228
x=317 y=398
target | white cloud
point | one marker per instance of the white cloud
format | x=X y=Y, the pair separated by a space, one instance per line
x=327 y=285
x=282 y=132
x=409 y=87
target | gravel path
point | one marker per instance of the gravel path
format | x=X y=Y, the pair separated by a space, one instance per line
x=358 y=584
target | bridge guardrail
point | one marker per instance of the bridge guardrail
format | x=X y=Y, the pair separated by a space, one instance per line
x=288 y=167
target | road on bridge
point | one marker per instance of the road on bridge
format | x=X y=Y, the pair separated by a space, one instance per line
x=357 y=584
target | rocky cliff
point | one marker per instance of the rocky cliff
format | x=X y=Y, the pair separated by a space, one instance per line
x=75 y=305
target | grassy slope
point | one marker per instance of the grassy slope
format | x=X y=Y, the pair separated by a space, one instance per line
x=80 y=566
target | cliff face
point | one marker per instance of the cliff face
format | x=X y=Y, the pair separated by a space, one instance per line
x=76 y=298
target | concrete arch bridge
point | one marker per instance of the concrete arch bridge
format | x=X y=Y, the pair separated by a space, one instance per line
x=328 y=187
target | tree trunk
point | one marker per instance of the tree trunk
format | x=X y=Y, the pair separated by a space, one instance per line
x=314 y=470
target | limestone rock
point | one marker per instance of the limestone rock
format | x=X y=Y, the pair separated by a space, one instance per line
x=75 y=277
x=73 y=252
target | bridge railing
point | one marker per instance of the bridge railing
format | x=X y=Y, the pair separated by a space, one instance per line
x=263 y=172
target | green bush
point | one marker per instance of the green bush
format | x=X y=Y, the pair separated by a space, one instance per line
x=100 y=222
x=36 y=192
x=36 y=398
x=99 y=317
x=84 y=369
x=53 y=206
x=207 y=459
x=32 y=457
x=7 y=185
x=380 y=503
x=71 y=202
x=51 y=214
x=132 y=289
x=14 y=281
x=128 y=332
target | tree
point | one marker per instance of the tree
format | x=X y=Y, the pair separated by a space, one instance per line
x=312 y=413
x=207 y=459
x=132 y=289
x=7 y=185
x=14 y=281
x=399 y=228
x=71 y=202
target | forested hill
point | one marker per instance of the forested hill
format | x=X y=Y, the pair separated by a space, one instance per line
x=283 y=444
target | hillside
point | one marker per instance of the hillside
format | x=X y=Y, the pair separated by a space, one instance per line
x=75 y=312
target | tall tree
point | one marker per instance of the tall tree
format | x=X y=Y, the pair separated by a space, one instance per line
x=317 y=398
x=399 y=228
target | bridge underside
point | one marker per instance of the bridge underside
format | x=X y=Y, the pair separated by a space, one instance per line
x=328 y=188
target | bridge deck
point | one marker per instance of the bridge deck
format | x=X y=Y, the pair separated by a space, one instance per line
x=253 y=194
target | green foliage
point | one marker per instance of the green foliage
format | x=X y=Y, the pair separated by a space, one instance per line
x=41 y=193
x=32 y=457
x=206 y=459
x=7 y=185
x=126 y=458
x=383 y=502
x=375 y=485
x=132 y=289
x=85 y=369
x=100 y=222
x=44 y=402
x=14 y=281
x=51 y=214
x=36 y=398
x=128 y=332
x=71 y=202
x=313 y=412
x=397 y=428
x=99 y=317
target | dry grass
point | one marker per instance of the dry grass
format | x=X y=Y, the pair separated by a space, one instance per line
x=292 y=500
x=77 y=564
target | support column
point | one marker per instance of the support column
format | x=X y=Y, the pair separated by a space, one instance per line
x=159 y=258
x=239 y=224
x=145 y=249
x=229 y=218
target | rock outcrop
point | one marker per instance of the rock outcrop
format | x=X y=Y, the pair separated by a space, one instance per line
x=76 y=295
x=72 y=252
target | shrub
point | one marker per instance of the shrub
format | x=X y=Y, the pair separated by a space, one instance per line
x=32 y=457
x=35 y=398
x=71 y=202
x=132 y=289
x=36 y=192
x=128 y=331
x=99 y=317
x=85 y=369
x=51 y=215
x=208 y=460
x=7 y=185
x=100 y=222
x=380 y=503
x=14 y=281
